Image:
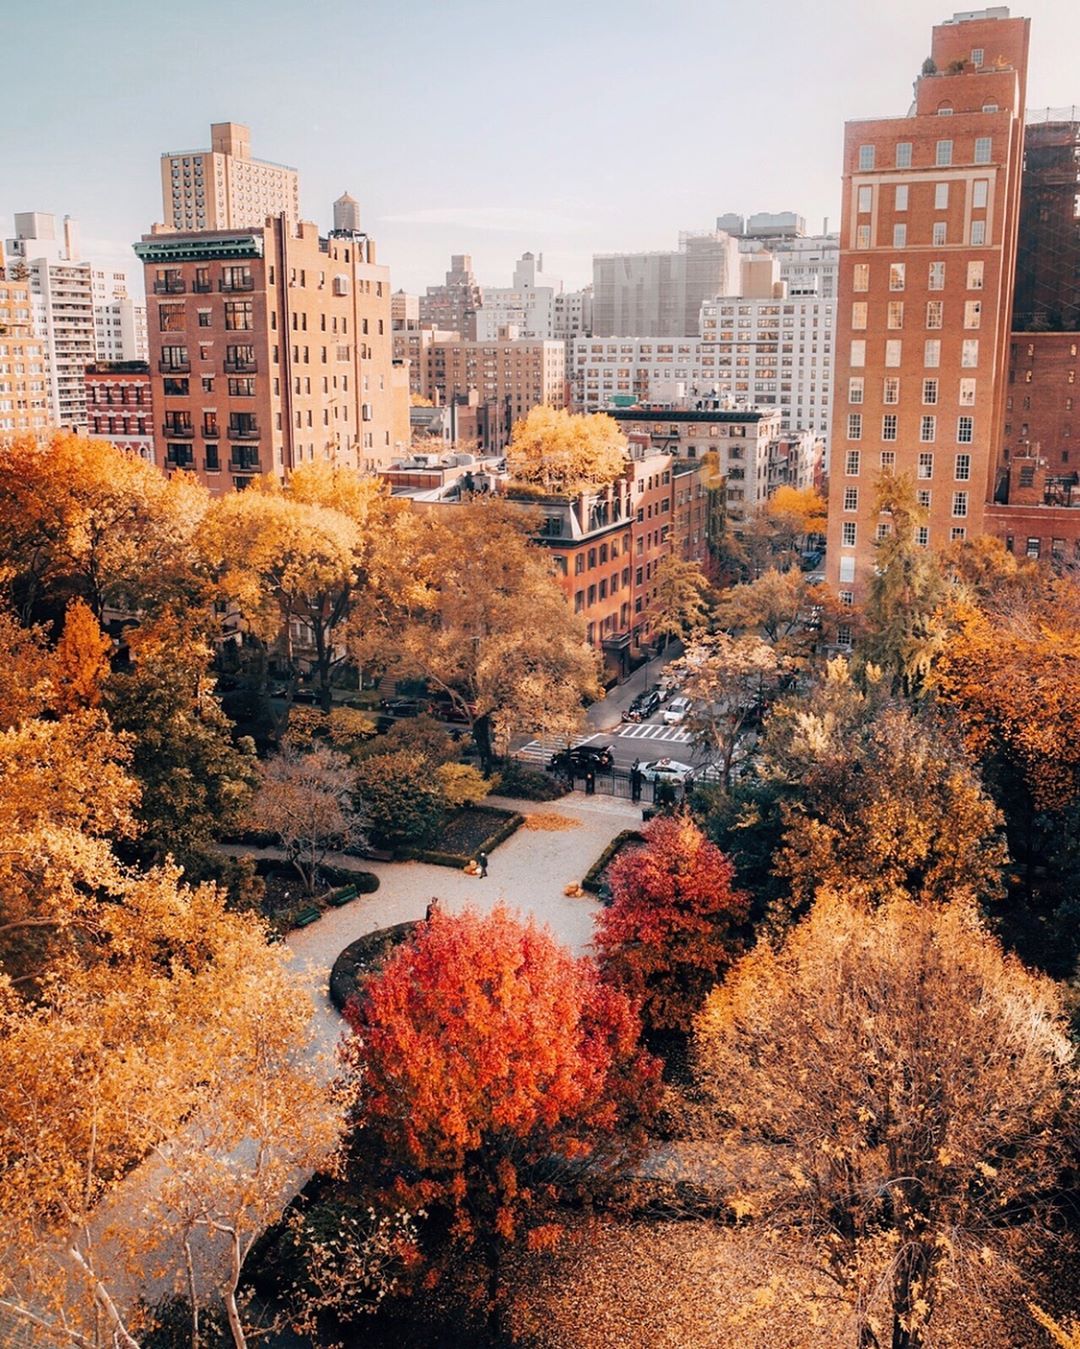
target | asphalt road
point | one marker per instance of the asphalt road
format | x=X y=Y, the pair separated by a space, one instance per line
x=644 y=740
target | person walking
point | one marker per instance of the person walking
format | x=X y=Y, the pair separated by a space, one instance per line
x=635 y=780
x=481 y=862
x=590 y=783
x=432 y=909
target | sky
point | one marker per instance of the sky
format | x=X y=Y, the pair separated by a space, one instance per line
x=473 y=126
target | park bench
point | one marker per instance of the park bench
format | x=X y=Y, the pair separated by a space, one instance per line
x=306 y=917
x=340 y=897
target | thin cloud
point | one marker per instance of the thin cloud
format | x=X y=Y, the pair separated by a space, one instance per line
x=497 y=219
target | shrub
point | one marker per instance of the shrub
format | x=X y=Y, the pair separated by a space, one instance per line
x=403 y=800
x=527 y=784
x=462 y=784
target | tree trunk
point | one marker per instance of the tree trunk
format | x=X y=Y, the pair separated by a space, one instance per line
x=193 y=1293
x=322 y=664
x=482 y=739
x=909 y=1285
x=229 y=1298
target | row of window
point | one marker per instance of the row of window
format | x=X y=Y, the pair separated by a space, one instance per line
x=898 y=276
x=982 y=153
x=890 y=390
x=934 y=314
x=925 y=468
x=965 y=428
x=980 y=193
x=939 y=235
x=849 y=528
x=894 y=352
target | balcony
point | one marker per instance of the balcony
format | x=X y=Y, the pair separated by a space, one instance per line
x=244 y=466
x=178 y=431
x=243 y=432
x=241 y=284
x=202 y=287
x=168 y=367
x=241 y=367
x=169 y=287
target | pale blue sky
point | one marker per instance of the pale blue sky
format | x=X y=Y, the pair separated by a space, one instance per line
x=480 y=126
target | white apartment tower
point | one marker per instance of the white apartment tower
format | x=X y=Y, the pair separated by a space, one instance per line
x=119 y=319
x=223 y=188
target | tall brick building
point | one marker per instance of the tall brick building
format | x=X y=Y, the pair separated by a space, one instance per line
x=270 y=347
x=931 y=209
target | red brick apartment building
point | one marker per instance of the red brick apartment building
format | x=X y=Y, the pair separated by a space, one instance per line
x=119 y=406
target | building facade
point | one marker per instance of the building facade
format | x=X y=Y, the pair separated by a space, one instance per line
x=24 y=384
x=271 y=348
x=119 y=319
x=119 y=404
x=659 y=295
x=928 y=253
x=223 y=188
x=453 y=305
x=510 y=375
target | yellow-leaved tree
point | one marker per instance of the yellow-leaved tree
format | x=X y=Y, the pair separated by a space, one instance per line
x=564 y=453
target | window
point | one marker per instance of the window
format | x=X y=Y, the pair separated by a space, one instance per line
x=941 y=196
x=899 y=236
x=932 y=353
x=239 y=315
x=851 y=498
x=866 y=200
x=855 y=389
x=967 y=393
x=903 y=154
x=895 y=314
x=943 y=154
x=963 y=468
x=883 y=530
x=901 y=196
x=984 y=147
x=977 y=56
x=851 y=463
x=888 y=426
x=929 y=392
x=862 y=236
x=1033 y=548
x=927 y=429
x=861 y=277
x=896 y=276
x=940 y=233
x=866 y=158
x=923 y=497
x=922 y=536
x=847 y=534
x=934 y=312
x=888 y=460
x=893 y=352
x=171 y=318
x=959 y=504
x=204 y=318
x=858 y=315
x=969 y=353
x=854 y=426
x=965 y=430
x=858 y=352
x=975 y=276
x=926 y=466
x=937 y=276
x=980 y=190
x=978 y=233
x=890 y=392
x=847 y=597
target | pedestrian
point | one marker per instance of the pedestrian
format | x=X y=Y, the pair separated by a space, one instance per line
x=481 y=862
x=432 y=909
x=590 y=782
x=635 y=780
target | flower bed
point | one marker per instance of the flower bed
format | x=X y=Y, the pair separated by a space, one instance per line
x=468 y=831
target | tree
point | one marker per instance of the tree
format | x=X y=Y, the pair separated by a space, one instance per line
x=784 y=608
x=305 y=799
x=673 y=924
x=194 y=781
x=183 y=1040
x=463 y=785
x=681 y=604
x=26 y=672
x=565 y=453
x=904 y=628
x=797 y=515
x=81 y=659
x=726 y=679
x=496 y=1075
x=402 y=796
x=490 y=627
x=893 y=1088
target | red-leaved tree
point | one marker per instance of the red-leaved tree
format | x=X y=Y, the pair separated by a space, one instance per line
x=497 y=1076
x=673 y=926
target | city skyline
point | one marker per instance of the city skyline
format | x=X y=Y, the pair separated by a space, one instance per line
x=565 y=168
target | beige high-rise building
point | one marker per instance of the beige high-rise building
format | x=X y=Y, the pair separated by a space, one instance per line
x=224 y=188
x=24 y=382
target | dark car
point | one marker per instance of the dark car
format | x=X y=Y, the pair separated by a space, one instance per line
x=443 y=708
x=578 y=761
x=309 y=696
x=402 y=707
x=643 y=706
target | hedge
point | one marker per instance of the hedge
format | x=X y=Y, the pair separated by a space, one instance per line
x=528 y=784
x=592 y=881
x=364 y=954
x=459 y=860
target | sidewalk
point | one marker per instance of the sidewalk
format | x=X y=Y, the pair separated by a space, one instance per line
x=606 y=714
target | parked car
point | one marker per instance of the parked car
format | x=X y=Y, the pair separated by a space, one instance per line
x=667 y=770
x=310 y=696
x=443 y=708
x=401 y=707
x=643 y=706
x=578 y=761
x=676 y=711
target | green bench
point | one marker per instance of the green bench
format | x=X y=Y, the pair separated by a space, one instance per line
x=340 y=897
x=307 y=916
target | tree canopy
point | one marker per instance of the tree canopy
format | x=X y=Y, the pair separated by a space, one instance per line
x=564 y=452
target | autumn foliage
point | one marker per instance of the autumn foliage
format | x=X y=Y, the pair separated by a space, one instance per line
x=673 y=926
x=497 y=1074
x=565 y=452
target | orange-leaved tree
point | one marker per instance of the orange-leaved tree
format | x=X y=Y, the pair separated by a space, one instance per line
x=558 y=451
x=82 y=659
x=498 y=1073
x=673 y=925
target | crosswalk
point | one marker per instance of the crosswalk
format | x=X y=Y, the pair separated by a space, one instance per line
x=646 y=730
x=543 y=747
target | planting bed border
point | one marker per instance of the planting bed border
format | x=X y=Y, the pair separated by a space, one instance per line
x=435 y=857
x=591 y=883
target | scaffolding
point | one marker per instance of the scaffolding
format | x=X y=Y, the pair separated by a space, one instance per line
x=1047 y=295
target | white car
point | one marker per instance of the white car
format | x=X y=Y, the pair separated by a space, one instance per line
x=676 y=711
x=666 y=770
